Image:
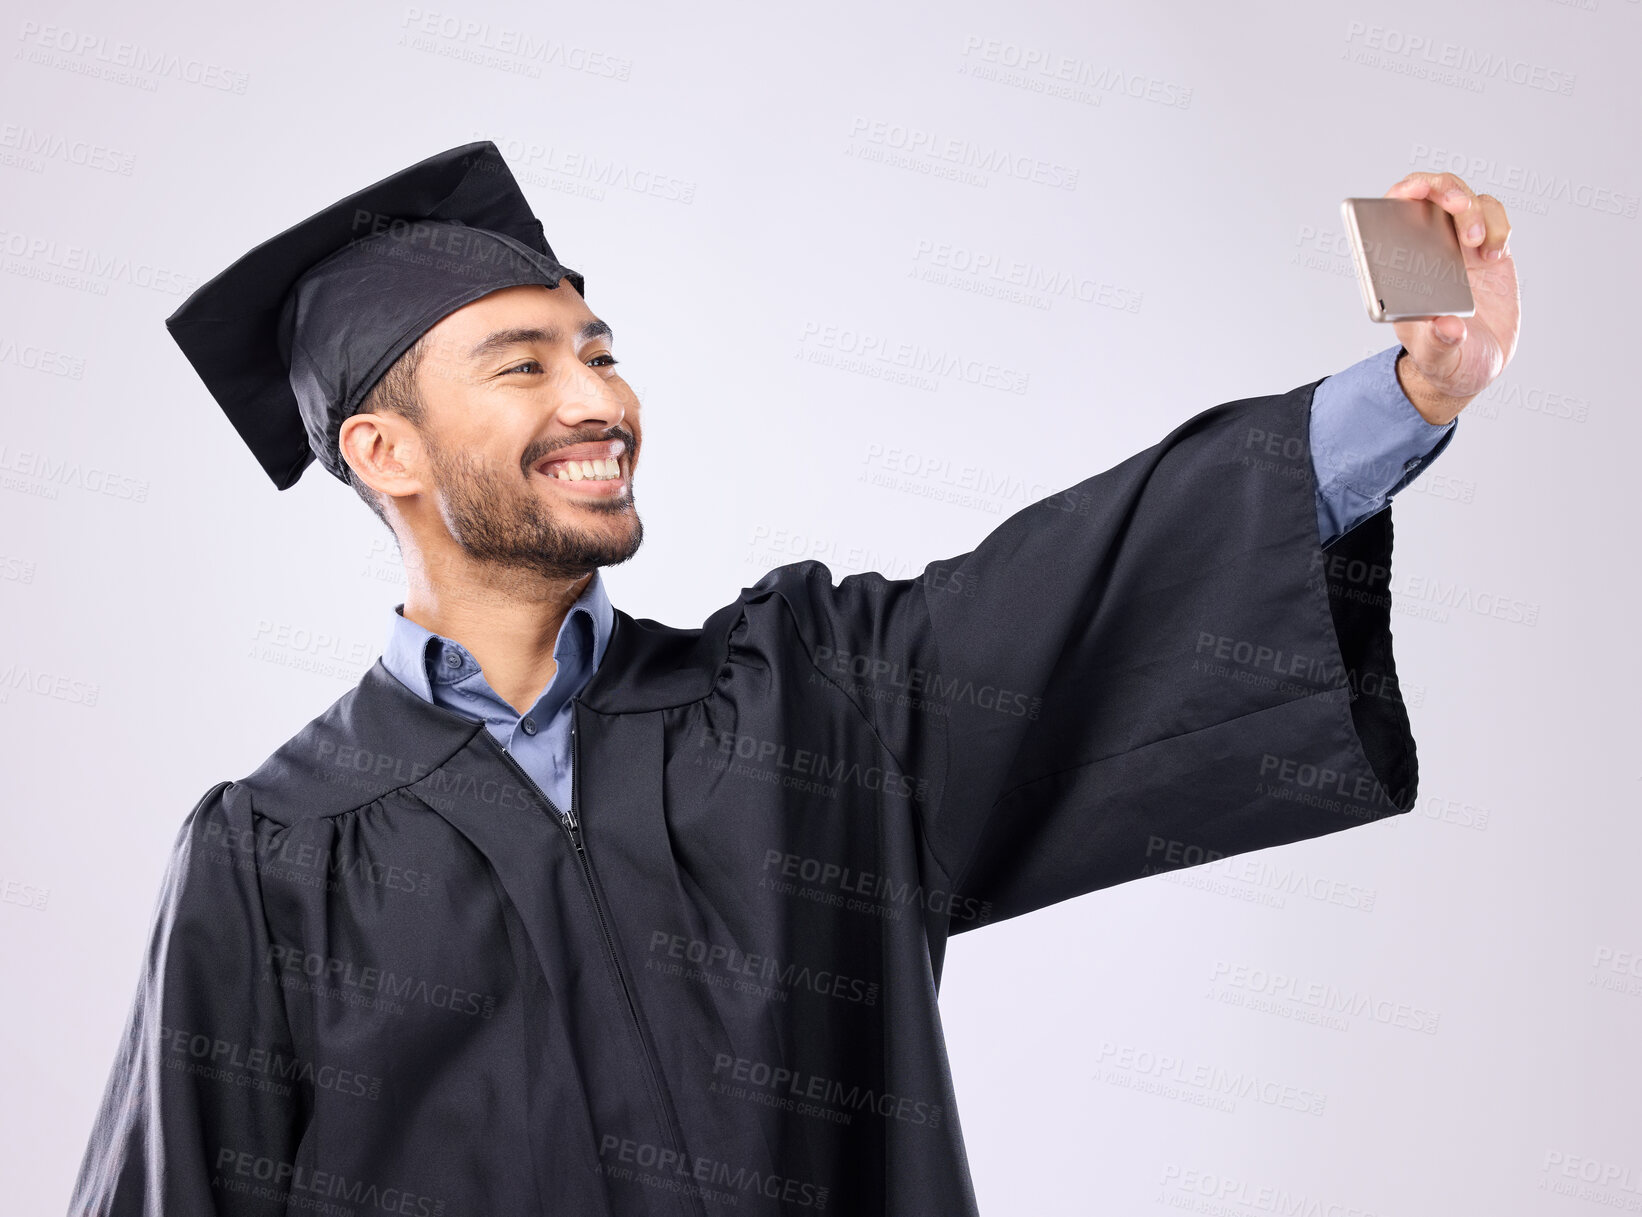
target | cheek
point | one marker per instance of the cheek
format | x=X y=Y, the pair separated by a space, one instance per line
x=503 y=432
x=487 y=453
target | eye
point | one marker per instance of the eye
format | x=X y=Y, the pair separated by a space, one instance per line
x=613 y=360
x=529 y=363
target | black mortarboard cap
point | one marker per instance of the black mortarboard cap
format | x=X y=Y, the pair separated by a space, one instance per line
x=291 y=337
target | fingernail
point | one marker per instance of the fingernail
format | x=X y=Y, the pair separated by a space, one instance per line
x=1474 y=233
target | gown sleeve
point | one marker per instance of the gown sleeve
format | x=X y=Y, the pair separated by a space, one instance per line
x=1156 y=667
x=200 y=1097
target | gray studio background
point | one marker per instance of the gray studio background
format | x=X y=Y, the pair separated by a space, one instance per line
x=1433 y=1014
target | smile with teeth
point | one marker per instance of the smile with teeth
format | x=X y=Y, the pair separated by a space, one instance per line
x=602 y=470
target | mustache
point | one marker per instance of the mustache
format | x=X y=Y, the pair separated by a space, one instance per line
x=537 y=453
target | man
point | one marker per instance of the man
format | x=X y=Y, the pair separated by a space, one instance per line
x=566 y=911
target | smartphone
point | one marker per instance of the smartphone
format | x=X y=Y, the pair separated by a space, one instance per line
x=1408 y=258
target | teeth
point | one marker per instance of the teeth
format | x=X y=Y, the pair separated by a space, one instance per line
x=589 y=471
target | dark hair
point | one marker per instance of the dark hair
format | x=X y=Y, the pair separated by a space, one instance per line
x=395 y=393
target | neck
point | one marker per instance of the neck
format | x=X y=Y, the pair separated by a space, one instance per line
x=508 y=625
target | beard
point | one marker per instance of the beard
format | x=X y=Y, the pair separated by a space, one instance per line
x=508 y=525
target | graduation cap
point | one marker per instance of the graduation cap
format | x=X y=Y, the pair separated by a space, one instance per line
x=291 y=337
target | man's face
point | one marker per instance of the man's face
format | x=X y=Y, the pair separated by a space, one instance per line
x=524 y=415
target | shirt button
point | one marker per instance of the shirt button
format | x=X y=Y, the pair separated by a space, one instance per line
x=529 y=725
x=452 y=659
x=1411 y=464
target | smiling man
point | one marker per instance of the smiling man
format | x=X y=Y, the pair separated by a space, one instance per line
x=561 y=910
x=506 y=443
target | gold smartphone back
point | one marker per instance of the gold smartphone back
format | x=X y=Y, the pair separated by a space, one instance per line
x=1408 y=258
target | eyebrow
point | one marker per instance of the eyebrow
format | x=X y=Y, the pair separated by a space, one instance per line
x=503 y=339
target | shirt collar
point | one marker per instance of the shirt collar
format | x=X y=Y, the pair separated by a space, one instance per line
x=413 y=652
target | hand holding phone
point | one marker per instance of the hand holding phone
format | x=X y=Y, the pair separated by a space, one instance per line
x=1458 y=326
x=1408 y=259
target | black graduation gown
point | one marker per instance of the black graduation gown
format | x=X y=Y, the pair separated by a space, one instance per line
x=386 y=976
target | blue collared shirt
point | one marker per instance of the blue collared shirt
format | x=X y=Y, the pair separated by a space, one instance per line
x=442 y=671
x=1367 y=443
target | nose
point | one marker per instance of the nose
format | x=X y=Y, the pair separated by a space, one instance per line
x=584 y=396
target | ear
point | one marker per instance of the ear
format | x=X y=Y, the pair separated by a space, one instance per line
x=384 y=451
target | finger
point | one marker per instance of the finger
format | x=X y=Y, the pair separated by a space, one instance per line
x=1444 y=189
x=1447 y=332
x=1453 y=196
x=1499 y=228
x=1435 y=359
x=1429 y=337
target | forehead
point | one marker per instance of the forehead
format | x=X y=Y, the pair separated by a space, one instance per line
x=555 y=310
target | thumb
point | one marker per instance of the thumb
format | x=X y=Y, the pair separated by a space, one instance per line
x=1435 y=344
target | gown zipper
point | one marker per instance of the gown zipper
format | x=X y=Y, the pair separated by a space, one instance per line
x=572 y=827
